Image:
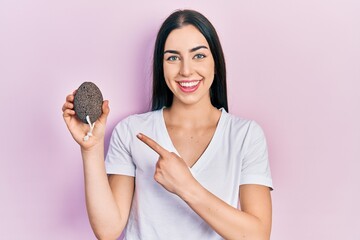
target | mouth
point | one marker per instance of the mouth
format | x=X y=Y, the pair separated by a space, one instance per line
x=189 y=86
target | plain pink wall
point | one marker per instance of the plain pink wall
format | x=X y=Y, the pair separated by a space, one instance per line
x=293 y=66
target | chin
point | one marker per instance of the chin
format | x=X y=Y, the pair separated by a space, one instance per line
x=190 y=100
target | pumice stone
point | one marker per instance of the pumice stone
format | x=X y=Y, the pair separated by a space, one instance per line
x=88 y=101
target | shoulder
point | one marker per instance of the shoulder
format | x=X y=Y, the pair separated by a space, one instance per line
x=235 y=122
x=239 y=124
x=128 y=127
x=136 y=121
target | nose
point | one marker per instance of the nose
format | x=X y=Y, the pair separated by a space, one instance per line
x=186 y=68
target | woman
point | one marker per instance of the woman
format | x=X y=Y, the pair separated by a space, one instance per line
x=187 y=169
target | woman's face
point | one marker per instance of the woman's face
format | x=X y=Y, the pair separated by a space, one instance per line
x=189 y=66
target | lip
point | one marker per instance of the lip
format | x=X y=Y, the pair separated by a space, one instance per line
x=189 y=86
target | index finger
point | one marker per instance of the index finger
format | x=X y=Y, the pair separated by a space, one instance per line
x=70 y=97
x=152 y=144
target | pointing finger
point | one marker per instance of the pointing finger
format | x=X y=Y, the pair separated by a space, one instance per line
x=152 y=144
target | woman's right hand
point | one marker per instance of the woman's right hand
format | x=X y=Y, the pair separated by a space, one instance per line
x=78 y=129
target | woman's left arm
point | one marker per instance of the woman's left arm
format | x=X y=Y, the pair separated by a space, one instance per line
x=252 y=222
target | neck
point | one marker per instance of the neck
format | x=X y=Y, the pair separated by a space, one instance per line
x=199 y=114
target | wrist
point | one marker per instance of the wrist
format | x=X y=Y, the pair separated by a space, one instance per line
x=96 y=150
x=191 y=193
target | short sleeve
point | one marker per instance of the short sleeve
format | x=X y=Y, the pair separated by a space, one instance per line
x=255 y=166
x=118 y=159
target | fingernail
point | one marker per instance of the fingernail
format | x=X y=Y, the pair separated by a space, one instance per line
x=139 y=135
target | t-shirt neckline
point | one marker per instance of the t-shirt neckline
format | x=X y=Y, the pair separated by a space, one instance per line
x=210 y=149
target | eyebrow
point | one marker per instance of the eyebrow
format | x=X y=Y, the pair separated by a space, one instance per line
x=191 y=50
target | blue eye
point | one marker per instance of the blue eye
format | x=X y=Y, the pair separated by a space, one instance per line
x=172 y=58
x=199 y=56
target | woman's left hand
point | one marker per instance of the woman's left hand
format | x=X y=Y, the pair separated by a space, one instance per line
x=171 y=170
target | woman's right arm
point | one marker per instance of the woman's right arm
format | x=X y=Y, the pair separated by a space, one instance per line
x=108 y=198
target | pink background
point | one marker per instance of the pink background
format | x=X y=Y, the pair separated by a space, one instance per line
x=293 y=66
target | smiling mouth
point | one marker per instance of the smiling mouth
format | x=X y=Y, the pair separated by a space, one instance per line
x=189 y=86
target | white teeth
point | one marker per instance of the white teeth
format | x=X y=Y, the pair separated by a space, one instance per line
x=189 y=84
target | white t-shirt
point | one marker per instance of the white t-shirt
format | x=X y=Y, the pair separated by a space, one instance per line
x=237 y=154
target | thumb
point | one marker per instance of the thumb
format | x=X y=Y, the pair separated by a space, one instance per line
x=105 y=111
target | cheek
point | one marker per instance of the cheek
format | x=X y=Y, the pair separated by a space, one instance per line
x=208 y=70
x=167 y=76
x=212 y=67
x=170 y=71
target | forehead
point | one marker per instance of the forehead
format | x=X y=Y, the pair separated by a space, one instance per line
x=185 y=38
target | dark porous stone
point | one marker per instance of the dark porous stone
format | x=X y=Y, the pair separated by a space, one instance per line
x=88 y=101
